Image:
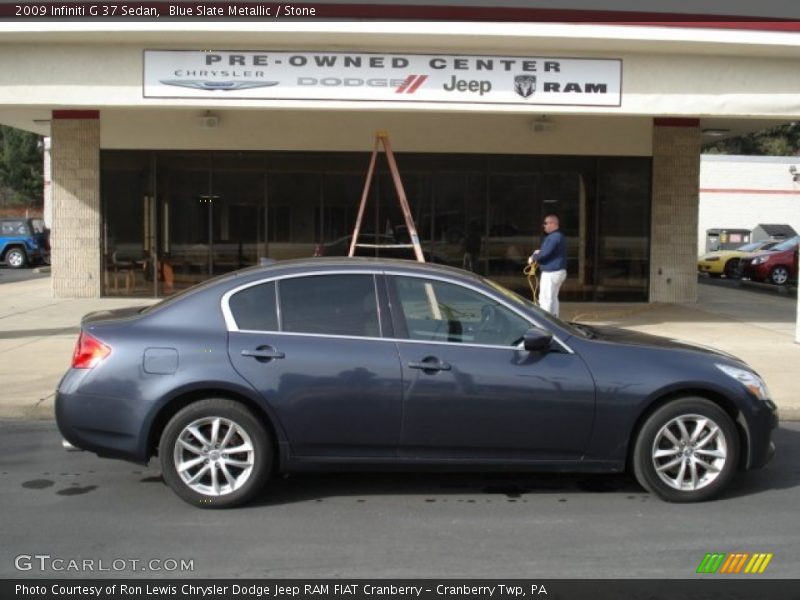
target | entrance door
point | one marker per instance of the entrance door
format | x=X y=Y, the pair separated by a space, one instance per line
x=211 y=217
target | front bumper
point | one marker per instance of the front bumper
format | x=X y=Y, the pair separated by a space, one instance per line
x=761 y=422
x=755 y=272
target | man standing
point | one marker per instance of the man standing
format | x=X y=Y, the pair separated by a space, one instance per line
x=552 y=259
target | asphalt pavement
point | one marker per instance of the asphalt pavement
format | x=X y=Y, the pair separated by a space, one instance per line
x=77 y=506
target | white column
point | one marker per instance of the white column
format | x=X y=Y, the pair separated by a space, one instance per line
x=75 y=238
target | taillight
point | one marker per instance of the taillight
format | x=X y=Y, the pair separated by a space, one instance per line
x=89 y=352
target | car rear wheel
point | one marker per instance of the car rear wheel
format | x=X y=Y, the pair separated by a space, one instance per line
x=732 y=268
x=687 y=451
x=779 y=275
x=215 y=454
x=16 y=258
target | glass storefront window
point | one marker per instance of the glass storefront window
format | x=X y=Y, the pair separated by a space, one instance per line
x=172 y=219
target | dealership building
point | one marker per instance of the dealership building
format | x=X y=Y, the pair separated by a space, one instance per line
x=182 y=150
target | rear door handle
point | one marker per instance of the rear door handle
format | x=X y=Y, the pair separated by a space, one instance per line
x=263 y=353
x=429 y=364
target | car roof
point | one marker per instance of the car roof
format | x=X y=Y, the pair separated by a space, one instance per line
x=360 y=263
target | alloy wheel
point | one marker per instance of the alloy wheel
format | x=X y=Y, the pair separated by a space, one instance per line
x=214 y=456
x=689 y=452
x=15 y=259
x=779 y=275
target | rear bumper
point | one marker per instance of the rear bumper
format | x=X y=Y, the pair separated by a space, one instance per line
x=110 y=428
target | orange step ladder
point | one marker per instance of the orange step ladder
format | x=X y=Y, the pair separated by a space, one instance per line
x=382 y=138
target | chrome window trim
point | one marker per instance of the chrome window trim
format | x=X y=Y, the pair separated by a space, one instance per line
x=230 y=321
x=516 y=348
x=231 y=325
x=498 y=299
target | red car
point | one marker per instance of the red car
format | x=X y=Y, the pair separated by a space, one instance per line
x=777 y=266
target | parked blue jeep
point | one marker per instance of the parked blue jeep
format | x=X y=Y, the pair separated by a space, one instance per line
x=23 y=242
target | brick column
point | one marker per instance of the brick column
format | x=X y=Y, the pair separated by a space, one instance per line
x=676 y=194
x=75 y=236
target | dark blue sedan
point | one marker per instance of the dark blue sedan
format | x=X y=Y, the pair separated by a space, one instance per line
x=337 y=363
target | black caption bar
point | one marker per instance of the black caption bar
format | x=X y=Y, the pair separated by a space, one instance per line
x=707 y=588
x=114 y=10
x=302 y=9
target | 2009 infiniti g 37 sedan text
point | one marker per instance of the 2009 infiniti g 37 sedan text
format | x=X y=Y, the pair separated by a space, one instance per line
x=333 y=363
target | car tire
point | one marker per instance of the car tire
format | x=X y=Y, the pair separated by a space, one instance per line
x=16 y=258
x=732 y=269
x=193 y=456
x=686 y=451
x=779 y=275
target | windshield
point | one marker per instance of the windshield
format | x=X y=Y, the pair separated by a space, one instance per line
x=752 y=246
x=788 y=244
x=541 y=315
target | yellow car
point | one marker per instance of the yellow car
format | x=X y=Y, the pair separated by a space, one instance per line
x=726 y=262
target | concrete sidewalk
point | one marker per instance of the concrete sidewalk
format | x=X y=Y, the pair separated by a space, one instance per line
x=38 y=333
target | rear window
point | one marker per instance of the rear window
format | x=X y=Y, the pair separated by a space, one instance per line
x=254 y=308
x=13 y=228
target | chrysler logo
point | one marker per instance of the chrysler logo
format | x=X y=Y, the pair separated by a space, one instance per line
x=199 y=84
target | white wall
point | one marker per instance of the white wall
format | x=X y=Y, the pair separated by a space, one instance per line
x=260 y=129
x=745 y=191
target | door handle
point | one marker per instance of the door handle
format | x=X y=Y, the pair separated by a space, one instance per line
x=430 y=364
x=263 y=353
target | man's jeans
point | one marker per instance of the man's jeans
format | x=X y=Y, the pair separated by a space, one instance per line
x=549 y=284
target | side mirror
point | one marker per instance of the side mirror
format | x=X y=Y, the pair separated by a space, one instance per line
x=537 y=340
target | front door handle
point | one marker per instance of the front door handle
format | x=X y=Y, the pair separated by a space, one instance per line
x=430 y=363
x=263 y=353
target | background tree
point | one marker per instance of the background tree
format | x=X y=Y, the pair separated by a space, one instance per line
x=21 y=167
x=783 y=140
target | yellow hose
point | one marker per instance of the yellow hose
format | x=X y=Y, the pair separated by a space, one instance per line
x=531 y=271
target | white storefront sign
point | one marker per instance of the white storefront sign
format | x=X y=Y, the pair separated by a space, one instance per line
x=533 y=80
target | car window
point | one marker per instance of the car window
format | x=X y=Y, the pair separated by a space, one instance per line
x=330 y=304
x=14 y=228
x=255 y=309
x=437 y=311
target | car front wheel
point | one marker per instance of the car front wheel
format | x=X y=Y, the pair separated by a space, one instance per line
x=16 y=258
x=686 y=451
x=779 y=275
x=215 y=454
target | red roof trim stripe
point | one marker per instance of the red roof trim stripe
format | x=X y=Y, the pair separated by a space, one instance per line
x=76 y=114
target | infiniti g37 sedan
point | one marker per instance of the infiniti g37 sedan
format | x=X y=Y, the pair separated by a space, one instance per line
x=336 y=363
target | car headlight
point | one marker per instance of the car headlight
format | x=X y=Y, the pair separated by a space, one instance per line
x=748 y=379
x=711 y=258
x=759 y=260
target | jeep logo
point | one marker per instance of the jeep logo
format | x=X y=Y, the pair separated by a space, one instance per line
x=482 y=86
